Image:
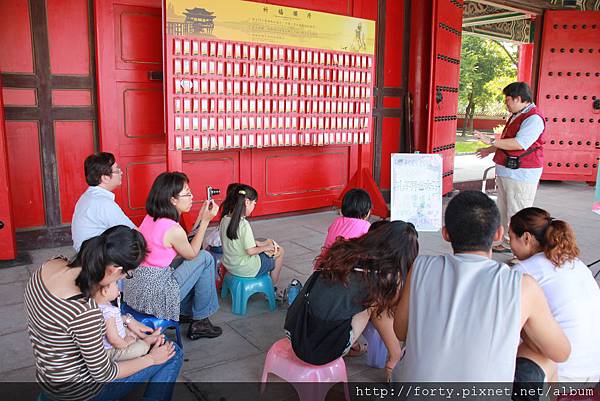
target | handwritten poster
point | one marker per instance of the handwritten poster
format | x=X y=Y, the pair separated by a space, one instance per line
x=416 y=190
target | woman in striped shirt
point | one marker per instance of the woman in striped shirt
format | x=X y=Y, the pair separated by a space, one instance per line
x=66 y=327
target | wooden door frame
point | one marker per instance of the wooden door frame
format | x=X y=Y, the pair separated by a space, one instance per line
x=381 y=91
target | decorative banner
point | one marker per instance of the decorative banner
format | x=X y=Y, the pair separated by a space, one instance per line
x=245 y=21
x=416 y=193
x=596 y=206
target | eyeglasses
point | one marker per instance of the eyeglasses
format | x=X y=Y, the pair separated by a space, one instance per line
x=128 y=273
x=116 y=171
x=185 y=195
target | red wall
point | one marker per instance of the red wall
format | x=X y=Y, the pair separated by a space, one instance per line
x=131 y=125
x=481 y=123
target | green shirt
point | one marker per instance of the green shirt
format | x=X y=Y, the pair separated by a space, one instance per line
x=235 y=258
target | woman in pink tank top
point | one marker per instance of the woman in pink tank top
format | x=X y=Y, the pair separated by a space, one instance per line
x=186 y=292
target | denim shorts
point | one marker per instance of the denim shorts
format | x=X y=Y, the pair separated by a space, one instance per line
x=267 y=264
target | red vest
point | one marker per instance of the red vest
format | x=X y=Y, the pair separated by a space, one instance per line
x=533 y=160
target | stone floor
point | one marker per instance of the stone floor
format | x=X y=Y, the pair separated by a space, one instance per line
x=238 y=355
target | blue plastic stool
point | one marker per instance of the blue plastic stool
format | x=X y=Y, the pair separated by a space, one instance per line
x=241 y=288
x=152 y=321
x=376 y=350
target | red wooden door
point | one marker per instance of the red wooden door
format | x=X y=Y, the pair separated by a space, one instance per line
x=569 y=94
x=444 y=79
x=130 y=95
x=47 y=67
x=8 y=250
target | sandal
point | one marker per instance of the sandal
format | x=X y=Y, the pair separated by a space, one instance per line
x=388 y=373
x=501 y=249
x=357 y=349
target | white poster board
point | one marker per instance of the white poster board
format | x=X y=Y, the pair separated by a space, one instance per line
x=416 y=193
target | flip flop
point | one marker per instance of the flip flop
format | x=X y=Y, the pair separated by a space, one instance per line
x=501 y=249
x=357 y=349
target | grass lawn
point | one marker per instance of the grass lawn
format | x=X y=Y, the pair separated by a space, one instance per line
x=468 y=147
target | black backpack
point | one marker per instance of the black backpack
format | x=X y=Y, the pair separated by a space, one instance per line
x=314 y=340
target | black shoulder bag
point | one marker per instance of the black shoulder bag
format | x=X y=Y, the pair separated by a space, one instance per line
x=314 y=340
x=514 y=162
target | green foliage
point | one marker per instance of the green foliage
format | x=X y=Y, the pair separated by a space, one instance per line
x=485 y=69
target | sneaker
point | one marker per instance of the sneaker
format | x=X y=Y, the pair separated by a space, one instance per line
x=203 y=329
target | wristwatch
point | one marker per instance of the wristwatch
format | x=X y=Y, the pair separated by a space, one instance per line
x=128 y=319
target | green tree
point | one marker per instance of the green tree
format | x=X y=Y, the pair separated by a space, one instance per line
x=486 y=66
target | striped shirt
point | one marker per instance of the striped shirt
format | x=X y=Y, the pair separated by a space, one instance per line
x=66 y=336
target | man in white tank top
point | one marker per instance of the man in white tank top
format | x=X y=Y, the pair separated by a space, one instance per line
x=462 y=315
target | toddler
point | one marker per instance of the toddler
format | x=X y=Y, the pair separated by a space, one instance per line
x=354 y=221
x=120 y=343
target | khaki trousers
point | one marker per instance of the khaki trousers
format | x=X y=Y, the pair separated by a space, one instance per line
x=137 y=349
x=512 y=197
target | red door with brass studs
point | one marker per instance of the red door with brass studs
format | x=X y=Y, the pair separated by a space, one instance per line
x=444 y=79
x=569 y=94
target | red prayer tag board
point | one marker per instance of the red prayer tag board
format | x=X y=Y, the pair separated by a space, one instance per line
x=224 y=94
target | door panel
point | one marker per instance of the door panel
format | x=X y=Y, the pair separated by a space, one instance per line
x=8 y=246
x=25 y=173
x=567 y=89
x=445 y=74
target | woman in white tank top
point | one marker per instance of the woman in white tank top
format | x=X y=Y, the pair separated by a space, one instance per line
x=547 y=250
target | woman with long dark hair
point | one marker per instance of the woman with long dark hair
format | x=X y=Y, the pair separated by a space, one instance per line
x=547 y=250
x=66 y=327
x=188 y=290
x=357 y=281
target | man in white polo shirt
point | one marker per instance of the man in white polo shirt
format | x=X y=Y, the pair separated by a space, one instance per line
x=96 y=210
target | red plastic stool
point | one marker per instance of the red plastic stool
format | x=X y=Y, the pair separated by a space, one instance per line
x=282 y=362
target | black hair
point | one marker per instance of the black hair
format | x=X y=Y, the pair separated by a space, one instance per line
x=472 y=218
x=356 y=204
x=118 y=246
x=166 y=186
x=383 y=256
x=97 y=165
x=378 y=223
x=236 y=201
x=229 y=203
x=516 y=89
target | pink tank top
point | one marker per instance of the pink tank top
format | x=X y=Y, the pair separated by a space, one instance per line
x=154 y=233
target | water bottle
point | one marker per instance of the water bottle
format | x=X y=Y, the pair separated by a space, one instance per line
x=293 y=290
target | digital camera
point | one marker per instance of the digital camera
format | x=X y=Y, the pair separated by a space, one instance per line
x=210 y=192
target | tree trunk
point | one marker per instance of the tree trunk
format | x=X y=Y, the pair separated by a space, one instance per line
x=469 y=114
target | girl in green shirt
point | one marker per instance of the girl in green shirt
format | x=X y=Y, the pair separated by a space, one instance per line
x=243 y=255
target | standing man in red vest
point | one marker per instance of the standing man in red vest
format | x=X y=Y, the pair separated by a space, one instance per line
x=519 y=155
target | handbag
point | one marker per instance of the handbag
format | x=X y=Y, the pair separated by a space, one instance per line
x=315 y=341
x=514 y=162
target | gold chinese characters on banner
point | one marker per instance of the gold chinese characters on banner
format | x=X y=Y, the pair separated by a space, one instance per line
x=246 y=21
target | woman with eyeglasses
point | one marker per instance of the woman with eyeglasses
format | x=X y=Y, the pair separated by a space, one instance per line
x=356 y=281
x=186 y=293
x=66 y=327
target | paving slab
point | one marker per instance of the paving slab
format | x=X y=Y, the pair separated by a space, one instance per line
x=238 y=355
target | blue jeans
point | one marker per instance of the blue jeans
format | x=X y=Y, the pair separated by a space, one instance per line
x=160 y=379
x=198 y=292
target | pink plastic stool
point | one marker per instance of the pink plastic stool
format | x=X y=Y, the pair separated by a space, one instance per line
x=282 y=361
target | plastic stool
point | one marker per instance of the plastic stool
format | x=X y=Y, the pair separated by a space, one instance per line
x=282 y=362
x=241 y=288
x=376 y=351
x=152 y=321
